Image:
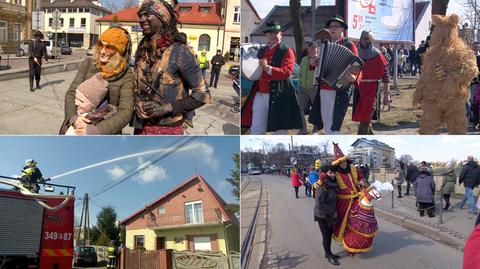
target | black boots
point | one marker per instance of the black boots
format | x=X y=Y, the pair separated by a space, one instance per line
x=31 y=84
x=38 y=85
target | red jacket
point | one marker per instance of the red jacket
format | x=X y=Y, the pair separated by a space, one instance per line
x=296 y=180
x=471 y=257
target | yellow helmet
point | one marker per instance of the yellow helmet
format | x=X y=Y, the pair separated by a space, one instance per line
x=317 y=164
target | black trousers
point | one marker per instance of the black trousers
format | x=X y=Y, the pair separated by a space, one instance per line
x=429 y=207
x=296 y=191
x=408 y=187
x=327 y=231
x=214 y=76
x=446 y=197
x=399 y=190
x=35 y=70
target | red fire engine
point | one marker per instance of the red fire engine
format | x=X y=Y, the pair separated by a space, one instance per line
x=36 y=229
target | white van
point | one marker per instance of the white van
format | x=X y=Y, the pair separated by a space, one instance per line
x=52 y=50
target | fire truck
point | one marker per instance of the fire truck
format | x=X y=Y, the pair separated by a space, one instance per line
x=36 y=229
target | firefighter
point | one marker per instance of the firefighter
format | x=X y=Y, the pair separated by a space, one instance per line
x=112 y=255
x=31 y=176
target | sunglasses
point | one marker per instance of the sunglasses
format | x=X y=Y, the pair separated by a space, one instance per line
x=109 y=48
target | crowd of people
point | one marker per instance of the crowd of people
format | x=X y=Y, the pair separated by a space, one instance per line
x=338 y=187
x=272 y=107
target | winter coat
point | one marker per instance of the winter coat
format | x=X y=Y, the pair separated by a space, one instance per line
x=326 y=202
x=448 y=182
x=412 y=173
x=217 y=61
x=399 y=175
x=296 y=181
x=470 y=175
x=424 y=187
x=120 y=94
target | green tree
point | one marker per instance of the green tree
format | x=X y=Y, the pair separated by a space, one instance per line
x=106 y=227
x=234 y=178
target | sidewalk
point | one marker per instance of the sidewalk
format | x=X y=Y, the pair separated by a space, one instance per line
x=453 y=231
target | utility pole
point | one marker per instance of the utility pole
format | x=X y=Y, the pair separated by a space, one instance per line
x=84 y=222
x=314 y=7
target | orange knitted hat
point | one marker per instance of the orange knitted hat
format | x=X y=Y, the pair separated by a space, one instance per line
x=116 y=37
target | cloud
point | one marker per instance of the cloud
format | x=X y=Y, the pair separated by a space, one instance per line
x=223 y=184
x=116 y=172
x=152 y=173
x=204 y=154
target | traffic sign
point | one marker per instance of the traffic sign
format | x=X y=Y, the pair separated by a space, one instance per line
x=293 y=160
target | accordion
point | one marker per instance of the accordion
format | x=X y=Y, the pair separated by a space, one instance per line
x=335 y=63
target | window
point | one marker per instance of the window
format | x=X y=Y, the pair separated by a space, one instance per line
x=194 y=212
x=139 y=240
x=202 y=243
x=80 y=10
x=3 y=31
x=71 y=10
x=50 y=22
x=161 y=210
x=83 y=22
x=61 y=22
x=185 y=9
x=72 y=22
x=63 y=10
x=236 y=14
x=204 y=43
x=17 y=31
x=87 y=10
x=205 y=9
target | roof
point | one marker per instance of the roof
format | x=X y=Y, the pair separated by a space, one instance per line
x=372 y=142
x=126 y=15
x=194 y=16
x=282 y=15
x=70 y=4
x=220 y=202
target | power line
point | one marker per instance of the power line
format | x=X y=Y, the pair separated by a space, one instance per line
x=170 y=151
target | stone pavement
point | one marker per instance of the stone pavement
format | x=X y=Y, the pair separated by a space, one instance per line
x=41 y=112
x=454 y=230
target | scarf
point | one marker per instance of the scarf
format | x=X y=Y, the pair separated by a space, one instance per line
x=107 y=73
x=368 y=53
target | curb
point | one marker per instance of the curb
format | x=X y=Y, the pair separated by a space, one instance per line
x=427 y=231
x=49 y=69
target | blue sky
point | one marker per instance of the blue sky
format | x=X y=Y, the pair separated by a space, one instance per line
x=57 y=155
x=263 y=7
x=428 y=148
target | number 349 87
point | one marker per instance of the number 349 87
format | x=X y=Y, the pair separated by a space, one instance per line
x=58 y=236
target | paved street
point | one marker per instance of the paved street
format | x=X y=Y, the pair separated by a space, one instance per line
x=41 y=112
x=293 y=239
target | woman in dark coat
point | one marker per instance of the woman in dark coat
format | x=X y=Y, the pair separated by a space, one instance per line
x=325 y=211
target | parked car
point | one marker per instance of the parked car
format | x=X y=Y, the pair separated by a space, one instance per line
x=234 y=70
x=53 y=48
x=84 y=256
x=64 y=49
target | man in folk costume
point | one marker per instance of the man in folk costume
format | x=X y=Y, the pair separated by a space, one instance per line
x=351 y=184
x=168 y=80
x=330 y=105
x=272 y=104
x=366 y=94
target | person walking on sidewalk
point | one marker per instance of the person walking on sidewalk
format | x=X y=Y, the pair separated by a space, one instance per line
x=325 y=211
x=469 y=176
x=412 y=174
x=297 y=181
x=217 y=62
x=400 y=177
x=37 y=50
x=307 y=91
x=425 y=190
x=448 y=184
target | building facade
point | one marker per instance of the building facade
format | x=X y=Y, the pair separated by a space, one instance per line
x=372 y=152
x=231 y=44
x=250 y=20
x=190 y=217
x=77 y=26
x=15 y=24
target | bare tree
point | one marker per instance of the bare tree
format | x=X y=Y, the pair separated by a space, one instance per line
x=115 y=6
x=472 y=13
x=295 y=6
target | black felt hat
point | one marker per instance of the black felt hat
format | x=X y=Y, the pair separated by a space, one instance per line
x=338 y=19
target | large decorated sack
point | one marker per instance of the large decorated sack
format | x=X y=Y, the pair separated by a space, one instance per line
x=362 y=225
x=449 y=66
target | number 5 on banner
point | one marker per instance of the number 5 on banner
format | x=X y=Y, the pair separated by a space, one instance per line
x=355 y=21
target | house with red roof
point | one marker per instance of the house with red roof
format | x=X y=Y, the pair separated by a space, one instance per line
x=191 y=217
x=203 y=25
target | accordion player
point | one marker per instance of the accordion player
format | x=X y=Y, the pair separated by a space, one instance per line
x=335 y=63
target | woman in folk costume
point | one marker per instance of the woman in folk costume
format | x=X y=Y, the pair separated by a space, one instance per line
x=350 y=184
